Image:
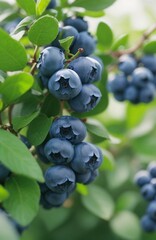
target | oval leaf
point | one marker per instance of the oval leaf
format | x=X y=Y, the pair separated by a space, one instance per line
x=126 y=225
x=15 y=156
x=38 y=129
x=15 y=86
x=150 y=47
x=23 y=202
x=99 y=202
x=104 y=35
x=41 y=6
x=41 y=35
x=93 y=5
x=29 y=6
x=3 y=194
x=13 y=55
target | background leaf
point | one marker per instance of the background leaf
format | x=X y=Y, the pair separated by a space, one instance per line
x=29 y=6
x=104 y=35
x=99 y=202
x=93 y=5
x=41 y=6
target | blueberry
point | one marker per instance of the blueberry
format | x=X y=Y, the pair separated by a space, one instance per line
x=148 y=192
x=117 y=84
x=65 y=84
x=141 y=76
x=147 y=93
x=152 y=169
x=151 y=210
x=85 y=41
x=55 y=199
x=69 y=128
x=87 y=99
x=43 y=80
x=142 y=178
x=59 y=151
x=132 y=94
x=87 y=158
x=52 y=4
x=149 y=61
x=88 y=69
x=77 y=22
x=148 y=224
x=41 y=154
x=69 y=31
x=87 y=177
x=99 y=60
x=119 y=96
x=51 y=60
x=25 y=141
x=4 y=173
x=127 y=64
x=153 y=182
x=60 y=179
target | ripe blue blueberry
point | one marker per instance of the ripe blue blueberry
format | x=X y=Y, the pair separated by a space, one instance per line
x=151 y=210
x=142 y=178
x=127 y=64
x=52 y=4
x=59 y=151
x=152 y=169
x=153 y=182
x=41 y=154
x=87 y=177
x=99 y=60
x=43 y=80
x=55 y=199
x=148 y=224
x=147 y=93
x=77 y=22
x=65 y=84
x=117 y=84
x=69 y=128
x=51 y=60
x=88 y=69
x=60 y=179
x=87 y=99
x=25 y=141
x=85 y=41
x=149 y=61
x=141 y=76
x=148 y=192
x=87 y=157
x=119 y=96
x=4 y=173
x=132 y=94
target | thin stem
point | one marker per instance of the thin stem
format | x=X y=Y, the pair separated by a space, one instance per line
x=1 y=122
x=34 y=61
x=32 y=70
x=138 y=45
x=10 y=114
x=80 y=50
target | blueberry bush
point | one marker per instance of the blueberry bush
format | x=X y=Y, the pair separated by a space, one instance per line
x=77 y=122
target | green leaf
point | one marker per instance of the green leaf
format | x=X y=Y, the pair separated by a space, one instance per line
x=41 y=6
x=51 y=106
x=7 y=230
x=92 y=14
x=29 y=6
x=126 y=225
x=23 y=202
x=97 y=129
x=15 y=156
x=150 y=47
x=128 y=201
x=15 y=86
x=121 y=42
x=104 y=35
x=93 y=5
x=13 y=55
x=3 y=194
x=66 y=43
x=38 y=129
x=41 y=35
x=54 y=218
x=82 y=189
x=109 y=162
x=22 y=121
x=99 y=202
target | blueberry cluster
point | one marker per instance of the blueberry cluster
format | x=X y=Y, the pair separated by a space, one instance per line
x=136 y=80
x=73 y=160
x=146 y=181
x=76 y=27
x=74 y=83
